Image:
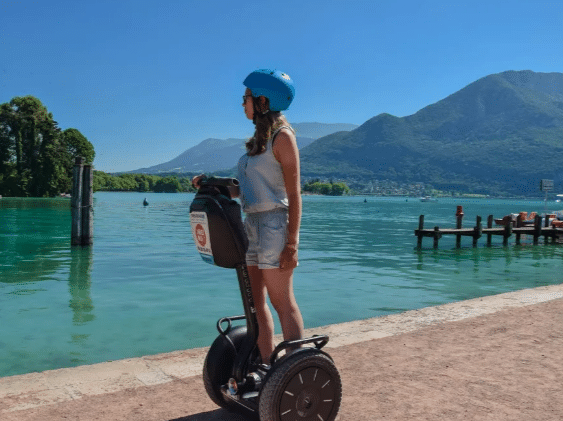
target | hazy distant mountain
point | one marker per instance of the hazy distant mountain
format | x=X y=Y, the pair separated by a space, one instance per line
x=317 y=130
x=502 y=133
x=217 y=154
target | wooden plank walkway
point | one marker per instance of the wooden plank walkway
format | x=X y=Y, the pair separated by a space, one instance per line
x=537 y=230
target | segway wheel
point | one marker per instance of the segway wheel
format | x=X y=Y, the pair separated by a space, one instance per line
x=218 y=365
x=305 y=386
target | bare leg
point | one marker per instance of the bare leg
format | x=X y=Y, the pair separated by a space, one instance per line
x=263 y=313
x=279 y=284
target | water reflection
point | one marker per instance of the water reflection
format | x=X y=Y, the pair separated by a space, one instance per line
x=33 y=239
x=79 y=284
x=475 y=271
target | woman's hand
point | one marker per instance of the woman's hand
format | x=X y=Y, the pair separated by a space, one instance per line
x=288 y=257
x=197 y=179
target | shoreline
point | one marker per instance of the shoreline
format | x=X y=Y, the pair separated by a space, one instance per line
x=34 y=390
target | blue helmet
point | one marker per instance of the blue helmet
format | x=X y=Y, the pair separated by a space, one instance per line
x=274 y=85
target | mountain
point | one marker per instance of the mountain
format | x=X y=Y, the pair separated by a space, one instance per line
x=317 y=130
x=217 y=154
x=500 y=134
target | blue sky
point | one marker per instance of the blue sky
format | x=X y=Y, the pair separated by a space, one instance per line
x=145 y=80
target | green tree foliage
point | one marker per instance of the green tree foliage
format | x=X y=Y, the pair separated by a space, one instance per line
x=36 y=157
x=330 y=188
x=339 y=189
x=168 y=184
x=77 y=145
x=141 y=183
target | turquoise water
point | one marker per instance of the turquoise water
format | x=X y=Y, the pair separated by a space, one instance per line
x=143 y=289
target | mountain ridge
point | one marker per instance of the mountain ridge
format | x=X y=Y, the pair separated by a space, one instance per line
x=499 y=135
x=222 y=154
x=485 y=138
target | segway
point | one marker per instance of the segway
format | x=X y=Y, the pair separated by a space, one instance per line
x=303 y=383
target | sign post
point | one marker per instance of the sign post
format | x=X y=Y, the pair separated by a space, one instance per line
x=546 y=186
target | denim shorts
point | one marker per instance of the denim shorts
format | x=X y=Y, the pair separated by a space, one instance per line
x=267 y=236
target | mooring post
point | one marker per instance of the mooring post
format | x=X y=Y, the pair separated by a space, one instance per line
x=507 y=233
x=459 y=218
x=518 y=225
x=478 y=231
x=437 y=236
x=537 y=228
x=87 y=205
x=420 y=228
x=489 y=225
x=546 y=237
x=76 y=202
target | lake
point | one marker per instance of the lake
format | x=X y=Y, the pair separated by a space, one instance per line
x=143 y=289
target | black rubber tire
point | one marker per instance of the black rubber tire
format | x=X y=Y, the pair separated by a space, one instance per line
x=305 y=386
x=218 y=365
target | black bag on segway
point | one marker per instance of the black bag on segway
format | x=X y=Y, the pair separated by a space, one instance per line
x=217 y=225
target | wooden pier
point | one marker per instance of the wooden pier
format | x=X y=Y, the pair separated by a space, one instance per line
x=539 y=228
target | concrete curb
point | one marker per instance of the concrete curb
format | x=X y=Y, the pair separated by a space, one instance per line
x=55 y=386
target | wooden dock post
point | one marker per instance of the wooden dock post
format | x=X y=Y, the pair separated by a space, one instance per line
x=459 y=219
x=518 y=225
x=87 y=205
x=437 y=236
x=507 y=233
x=546 y=237
x=537 y=228
x=76 y=202
x=82 y=203
x=489 y=225
x=478 y=231
x=420 y=228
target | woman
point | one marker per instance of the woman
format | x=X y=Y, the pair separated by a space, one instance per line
x=270 y=194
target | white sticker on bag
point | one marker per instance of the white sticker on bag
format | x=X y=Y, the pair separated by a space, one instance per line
x=200 y=232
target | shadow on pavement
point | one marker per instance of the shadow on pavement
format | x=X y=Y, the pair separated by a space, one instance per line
x=217 y=415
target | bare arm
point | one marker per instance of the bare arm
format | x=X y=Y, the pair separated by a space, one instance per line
x=287 y=154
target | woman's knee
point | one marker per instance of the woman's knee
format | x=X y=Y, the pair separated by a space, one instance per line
x=285 y=306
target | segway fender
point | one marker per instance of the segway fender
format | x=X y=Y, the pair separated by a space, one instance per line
x=219 y=362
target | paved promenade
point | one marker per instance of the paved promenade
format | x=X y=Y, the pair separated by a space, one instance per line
x=492 y=358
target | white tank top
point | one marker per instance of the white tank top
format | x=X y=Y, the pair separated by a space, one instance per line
x=261 y=180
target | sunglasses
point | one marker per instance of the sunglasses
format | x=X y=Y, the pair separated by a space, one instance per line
x=244 y=97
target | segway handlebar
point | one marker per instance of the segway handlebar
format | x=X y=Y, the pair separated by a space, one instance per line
x=318 y=340
x=219 y=182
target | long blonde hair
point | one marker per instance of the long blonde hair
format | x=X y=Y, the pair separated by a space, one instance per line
x=266 y=123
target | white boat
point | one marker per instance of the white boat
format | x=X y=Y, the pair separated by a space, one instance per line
x=559 y=200
x=428 y=199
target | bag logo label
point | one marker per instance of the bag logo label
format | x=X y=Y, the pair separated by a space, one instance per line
x=200 y=232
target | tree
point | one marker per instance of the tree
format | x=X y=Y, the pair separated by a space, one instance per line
x=30 y=131
x=339 y=189
x=332 y=189
x=141 y=183
x=168 y=184
x=36 y=158
x=77 y=145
